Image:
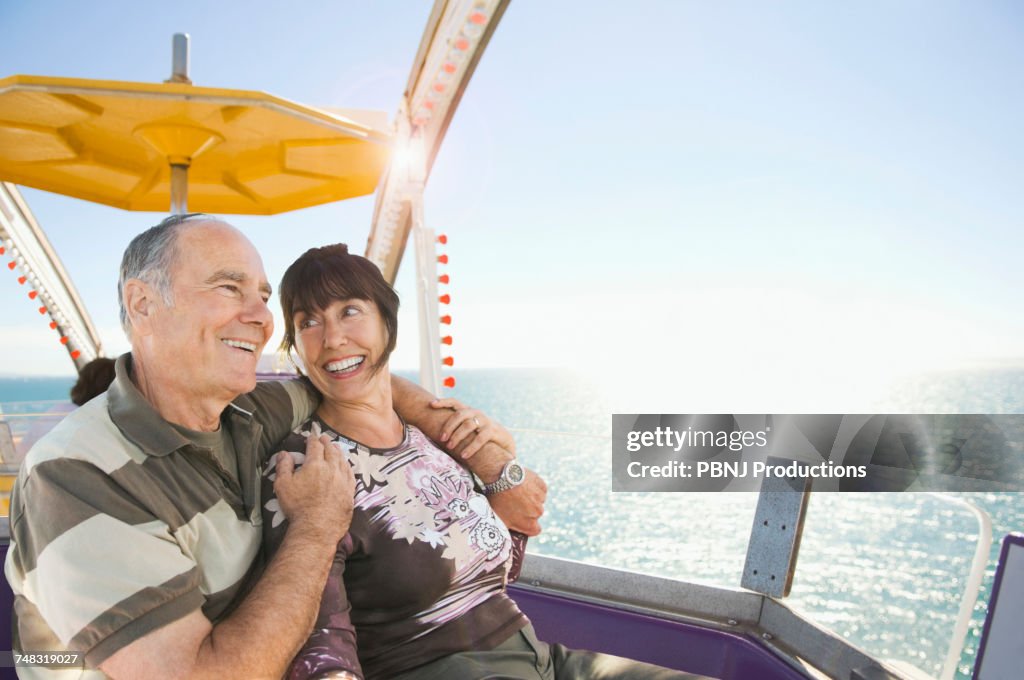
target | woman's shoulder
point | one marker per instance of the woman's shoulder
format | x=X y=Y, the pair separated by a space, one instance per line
x=414 y=437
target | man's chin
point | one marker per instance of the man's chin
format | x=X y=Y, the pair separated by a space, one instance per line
x=243 y=384
x=249 y=386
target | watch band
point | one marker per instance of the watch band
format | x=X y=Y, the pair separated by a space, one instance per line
x=512 y=475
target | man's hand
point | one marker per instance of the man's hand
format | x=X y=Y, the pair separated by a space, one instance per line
x=318 y=497
x=266 y=630
x=520 y=508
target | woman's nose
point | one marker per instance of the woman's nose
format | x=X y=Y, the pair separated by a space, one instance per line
x=334 y=335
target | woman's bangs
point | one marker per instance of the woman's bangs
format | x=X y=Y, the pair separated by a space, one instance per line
x=323 y=283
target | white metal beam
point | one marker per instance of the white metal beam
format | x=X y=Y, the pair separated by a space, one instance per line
x=27 y=246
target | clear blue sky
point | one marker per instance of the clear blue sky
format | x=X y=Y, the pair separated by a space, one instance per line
x=798 y=186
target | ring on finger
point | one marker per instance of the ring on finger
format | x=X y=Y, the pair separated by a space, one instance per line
x=478 y=425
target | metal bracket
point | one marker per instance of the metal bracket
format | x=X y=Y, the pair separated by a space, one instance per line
x=775 y=536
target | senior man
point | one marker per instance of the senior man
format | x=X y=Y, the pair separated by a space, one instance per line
x=135 y=522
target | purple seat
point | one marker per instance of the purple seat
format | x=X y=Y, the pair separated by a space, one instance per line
x=6 y=607
x=672 y=644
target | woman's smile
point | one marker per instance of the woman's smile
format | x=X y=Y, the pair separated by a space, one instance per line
x=346 y=367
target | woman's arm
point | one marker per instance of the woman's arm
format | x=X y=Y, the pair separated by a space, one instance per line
x=331 y=646
x=521 y=507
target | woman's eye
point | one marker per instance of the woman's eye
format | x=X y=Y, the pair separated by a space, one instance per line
x=350 y=310
x=307 y=323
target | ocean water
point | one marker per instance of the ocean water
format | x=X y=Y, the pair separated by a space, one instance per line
x=885 y=571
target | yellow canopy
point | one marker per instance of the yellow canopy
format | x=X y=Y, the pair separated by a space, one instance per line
x=247 y=152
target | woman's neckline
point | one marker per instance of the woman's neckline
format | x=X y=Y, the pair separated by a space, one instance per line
x=340 y=431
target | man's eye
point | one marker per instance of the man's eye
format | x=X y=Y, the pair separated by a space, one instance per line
x=230 y=287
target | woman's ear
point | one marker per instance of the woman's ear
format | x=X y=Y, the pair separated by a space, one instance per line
x=139 y=299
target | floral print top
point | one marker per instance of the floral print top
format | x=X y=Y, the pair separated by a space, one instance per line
x=421 y=573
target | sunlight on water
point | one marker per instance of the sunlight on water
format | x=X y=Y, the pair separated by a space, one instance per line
x=884 y=571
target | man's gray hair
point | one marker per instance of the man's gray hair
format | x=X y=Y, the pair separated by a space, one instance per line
x=151 y=256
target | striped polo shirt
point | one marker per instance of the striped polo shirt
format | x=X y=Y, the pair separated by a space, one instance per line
x=121 y=525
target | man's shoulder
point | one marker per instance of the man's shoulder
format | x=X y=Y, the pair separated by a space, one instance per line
x=282 y=403
x=87 y=434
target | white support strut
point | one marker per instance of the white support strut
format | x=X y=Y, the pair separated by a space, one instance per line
x=426 y=295
x=28 y=247
x=455 y=38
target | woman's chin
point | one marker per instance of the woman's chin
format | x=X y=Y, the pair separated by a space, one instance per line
x=354 y=386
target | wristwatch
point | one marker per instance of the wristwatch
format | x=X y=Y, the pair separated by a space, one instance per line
x=512 y=475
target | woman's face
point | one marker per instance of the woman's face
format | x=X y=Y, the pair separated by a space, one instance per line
x=339 y=347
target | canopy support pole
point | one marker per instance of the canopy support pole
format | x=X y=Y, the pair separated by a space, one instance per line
x=180 y=49
x=179 y=189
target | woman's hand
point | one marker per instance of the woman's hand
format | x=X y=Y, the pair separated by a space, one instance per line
x=468 y=429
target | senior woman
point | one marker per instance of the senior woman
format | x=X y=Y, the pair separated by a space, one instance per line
x=417 y=589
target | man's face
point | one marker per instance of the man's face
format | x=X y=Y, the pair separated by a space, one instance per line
x=219 y=321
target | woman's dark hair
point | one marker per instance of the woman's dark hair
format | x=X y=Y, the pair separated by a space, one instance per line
x=93 y=380
x=323 y=275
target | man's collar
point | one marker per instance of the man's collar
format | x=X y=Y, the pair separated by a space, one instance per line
x=136 y=417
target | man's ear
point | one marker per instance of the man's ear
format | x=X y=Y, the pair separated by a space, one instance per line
x=140 y=302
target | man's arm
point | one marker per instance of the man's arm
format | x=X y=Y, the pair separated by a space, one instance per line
x=520 y=508
x=281 y=406
x=262 y=635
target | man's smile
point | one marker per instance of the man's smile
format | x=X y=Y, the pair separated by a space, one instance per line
x=241 y=344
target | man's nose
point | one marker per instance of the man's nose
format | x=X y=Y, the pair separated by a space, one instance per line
x=258 y=313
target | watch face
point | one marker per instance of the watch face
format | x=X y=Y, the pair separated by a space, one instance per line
x=515 y=473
